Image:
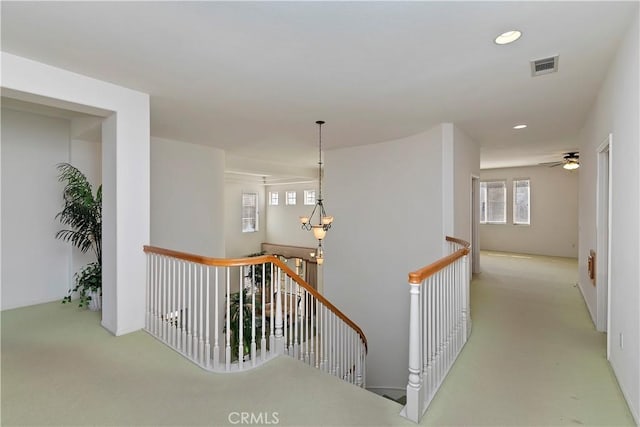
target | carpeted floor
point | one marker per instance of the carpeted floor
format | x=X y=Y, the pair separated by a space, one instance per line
x=60 y=367
x=534 y=358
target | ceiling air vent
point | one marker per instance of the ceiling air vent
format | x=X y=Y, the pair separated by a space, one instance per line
x=544 y=66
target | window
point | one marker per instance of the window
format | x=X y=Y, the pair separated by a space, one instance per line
x=290 y=197
x=273 y=198
x=309 y=197
x=493 y=202
x=521 y=201
x=249 y=212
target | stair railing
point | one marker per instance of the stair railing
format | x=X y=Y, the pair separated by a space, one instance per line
x=233 y=314
x=439 y=324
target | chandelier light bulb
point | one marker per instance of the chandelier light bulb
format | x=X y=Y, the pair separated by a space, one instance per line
x=319 y=232
x=304 y=219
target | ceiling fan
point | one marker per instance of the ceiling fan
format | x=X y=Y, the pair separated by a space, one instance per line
x=570 y=161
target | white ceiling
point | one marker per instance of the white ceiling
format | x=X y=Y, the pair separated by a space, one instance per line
x=253 y=77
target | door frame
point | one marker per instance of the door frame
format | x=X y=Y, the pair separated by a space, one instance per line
x=603 y=236
x=475 y=224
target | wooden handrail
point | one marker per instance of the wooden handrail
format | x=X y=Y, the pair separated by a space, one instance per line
x=461 y=242
x=235 y=262
x=418 y=276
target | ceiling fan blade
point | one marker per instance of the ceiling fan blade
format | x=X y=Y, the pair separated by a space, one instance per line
x=551 y=164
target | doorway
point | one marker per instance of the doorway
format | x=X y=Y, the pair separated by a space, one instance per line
x=603 y=226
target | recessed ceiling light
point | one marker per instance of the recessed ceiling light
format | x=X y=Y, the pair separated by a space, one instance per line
x=520 y=126
x=508 y=37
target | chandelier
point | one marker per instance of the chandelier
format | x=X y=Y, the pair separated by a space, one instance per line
x=323 y=220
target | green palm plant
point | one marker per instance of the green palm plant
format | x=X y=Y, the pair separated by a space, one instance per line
x=82 y=213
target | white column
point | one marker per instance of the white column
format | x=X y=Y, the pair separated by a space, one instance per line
x=414 y=387
x=125 y=174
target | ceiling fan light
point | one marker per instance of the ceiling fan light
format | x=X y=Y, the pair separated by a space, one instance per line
x=571 y=166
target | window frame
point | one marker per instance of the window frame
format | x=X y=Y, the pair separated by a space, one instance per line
x=274 y=201
x=514 y=207
x=309 y=200
x=247 y=219
x=287 y=200
x=484 y=195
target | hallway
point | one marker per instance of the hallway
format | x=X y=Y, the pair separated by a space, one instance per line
x=534 y=357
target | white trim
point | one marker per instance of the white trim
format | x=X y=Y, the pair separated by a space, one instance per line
x=475 y=224
x=603 y=238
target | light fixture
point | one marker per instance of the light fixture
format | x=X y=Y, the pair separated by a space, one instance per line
x=508 y=37
x=571 y=165
x=522 y=126
x=571 y=161
x=324 y=221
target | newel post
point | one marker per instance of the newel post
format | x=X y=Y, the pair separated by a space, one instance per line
x=414 y=387
x=466 y=319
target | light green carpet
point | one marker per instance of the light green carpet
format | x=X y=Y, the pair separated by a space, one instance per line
x=534 y=357
x=60 y=367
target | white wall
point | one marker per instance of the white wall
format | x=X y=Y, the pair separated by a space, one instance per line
x=554 y=213
x=283 y=221
x=125 y=174
x=187 y=186
x=237 y=243
x=616 y=111
x=386 y=199
x=36 y=265
x=32 y=145
x=466 y=154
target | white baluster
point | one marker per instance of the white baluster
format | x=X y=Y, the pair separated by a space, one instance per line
x=241 y=321
x=227 y=348
x=193 y=273
x=314 y=331
x=184 y=312
x=165 y=305
x=207 y=344
x=272 y=319
x=295 y=319
x=172 y=304
x=263 y=340
x=189 y=310
x=216 y=327
x=253 y=316
x=290 y=312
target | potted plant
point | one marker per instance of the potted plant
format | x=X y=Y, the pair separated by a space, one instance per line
x=82 y=212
